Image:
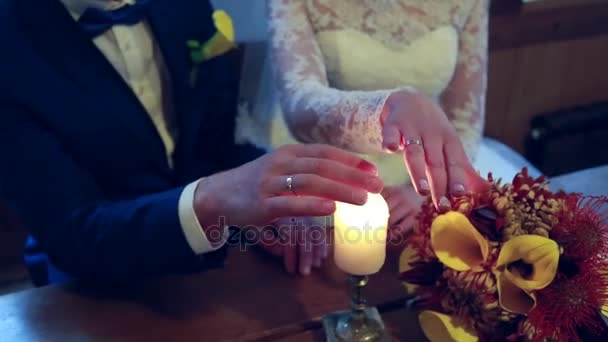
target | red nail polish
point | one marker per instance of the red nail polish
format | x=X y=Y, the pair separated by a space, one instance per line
x=392 y=148
x=364 y=165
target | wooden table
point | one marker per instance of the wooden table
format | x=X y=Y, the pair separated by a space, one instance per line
x=251 y=299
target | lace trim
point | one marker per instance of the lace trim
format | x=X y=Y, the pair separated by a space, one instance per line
x=316 y=112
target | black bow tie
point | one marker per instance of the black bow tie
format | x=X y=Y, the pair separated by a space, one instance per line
x=95 y=21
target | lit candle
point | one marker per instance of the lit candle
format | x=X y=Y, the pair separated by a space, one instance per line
x=360 y=235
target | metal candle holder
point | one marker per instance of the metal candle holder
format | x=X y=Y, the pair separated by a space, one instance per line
x=360 y=324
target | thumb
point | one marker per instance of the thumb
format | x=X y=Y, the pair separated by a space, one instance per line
x=391 y=137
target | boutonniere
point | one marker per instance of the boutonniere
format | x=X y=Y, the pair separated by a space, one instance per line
x=221 y=42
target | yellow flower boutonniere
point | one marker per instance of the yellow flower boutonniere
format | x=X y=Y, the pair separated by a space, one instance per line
x=221 y=42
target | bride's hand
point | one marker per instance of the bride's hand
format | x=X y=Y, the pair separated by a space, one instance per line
x=404 y=205
x=300 y=242
x=433 y=153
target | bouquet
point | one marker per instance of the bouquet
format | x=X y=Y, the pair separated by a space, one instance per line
x=518 y=263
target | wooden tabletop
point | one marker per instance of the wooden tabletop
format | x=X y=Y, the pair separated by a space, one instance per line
x=250 y=299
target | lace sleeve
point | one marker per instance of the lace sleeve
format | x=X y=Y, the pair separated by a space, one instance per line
x=464 y=98
x=314 y=111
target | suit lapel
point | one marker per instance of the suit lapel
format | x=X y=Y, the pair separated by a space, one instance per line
x=58 y=37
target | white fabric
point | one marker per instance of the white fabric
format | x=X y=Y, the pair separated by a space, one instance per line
x=137 y=58
x=192 y=228
x=419 y=63
x=591 y=182
x=337 y=61
x=501 y=161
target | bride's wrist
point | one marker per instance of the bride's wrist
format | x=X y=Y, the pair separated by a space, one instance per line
x=398 y=99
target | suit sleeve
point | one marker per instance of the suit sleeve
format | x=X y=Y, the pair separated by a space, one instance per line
x=83 y=232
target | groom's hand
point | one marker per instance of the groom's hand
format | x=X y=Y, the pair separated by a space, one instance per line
x=259 y=192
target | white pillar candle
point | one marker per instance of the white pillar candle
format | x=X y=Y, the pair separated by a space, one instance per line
x=360 y=235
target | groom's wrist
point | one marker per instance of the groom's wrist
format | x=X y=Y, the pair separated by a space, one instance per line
x=208 y=214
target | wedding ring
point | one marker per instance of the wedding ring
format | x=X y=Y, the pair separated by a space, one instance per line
x=409 y=142
x=289 y=184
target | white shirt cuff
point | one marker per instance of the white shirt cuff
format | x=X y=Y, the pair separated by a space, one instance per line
x=191 y=226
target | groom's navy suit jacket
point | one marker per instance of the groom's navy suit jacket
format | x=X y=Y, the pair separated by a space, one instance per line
x=81 y=161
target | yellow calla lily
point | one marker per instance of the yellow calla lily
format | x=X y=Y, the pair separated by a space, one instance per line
x=604 y=308
x=439 y=327
x=221 y=42
x=223 y=39
x=512 y=298
x=529 y=261
x=223 y=23
x=457 y=243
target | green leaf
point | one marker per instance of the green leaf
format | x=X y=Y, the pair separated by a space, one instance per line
x=193 y=44
x=197 y=56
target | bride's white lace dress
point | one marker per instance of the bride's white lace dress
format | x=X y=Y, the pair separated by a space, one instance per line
x=337 y=61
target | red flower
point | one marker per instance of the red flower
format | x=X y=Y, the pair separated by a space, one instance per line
x=582 y=228
x=570 y=304
x=567 y=309
x=523 y=184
